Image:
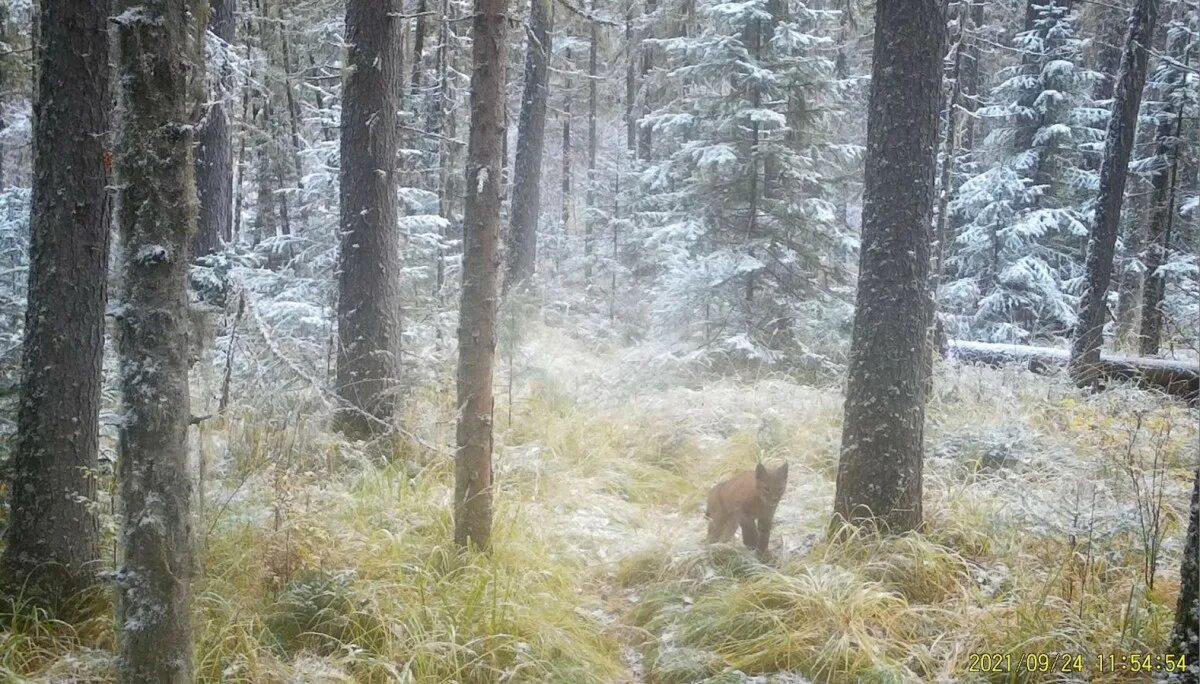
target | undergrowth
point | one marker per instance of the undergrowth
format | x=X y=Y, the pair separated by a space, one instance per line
x=325 y=561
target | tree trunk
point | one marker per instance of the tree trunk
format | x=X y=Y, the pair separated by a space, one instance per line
x=590 y=196
x=531 y=138
x=1168 y=139
x=369 y=261
x=293 y=106
x=481 y=261
x=566 y=148
x=156 y=214
x=418 y=49
x=630 y=83
x=214 y=151
x=441 y=124
x=880 y=471
x=945 y=191
x=5 y=77
x=969 y=73
x=646 y=133
x=1111 y=22
x=1129 y=287
x=53 y=534
x=1085 y=348
x=1185 y=637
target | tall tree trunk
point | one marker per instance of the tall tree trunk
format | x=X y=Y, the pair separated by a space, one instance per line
x=1167 y=150
x=1129 y=287
x=4 y=81
x=630 y=82
x=945 y=191
x=646 y=133
x=880 y=471
x=531 y=138
x=1185 y=637
x=418 y=48
x=52 y=534
x=566 y=148
x=1085 y=347
x=369 y=261
x=590 y=197
x=214 y=151
x=441 y=123
x=755 y=40
x=1111 y=20
x=481 y=261
x=293 y=103
x=156 y=213
x=969 y=72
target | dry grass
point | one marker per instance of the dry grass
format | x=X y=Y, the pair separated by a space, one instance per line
x=329 y=562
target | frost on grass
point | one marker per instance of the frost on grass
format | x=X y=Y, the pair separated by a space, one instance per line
x=600 y=565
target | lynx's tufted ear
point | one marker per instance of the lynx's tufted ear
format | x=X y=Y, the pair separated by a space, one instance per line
x=760 y=472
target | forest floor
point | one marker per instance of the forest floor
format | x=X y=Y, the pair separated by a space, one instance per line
x=1053 y=527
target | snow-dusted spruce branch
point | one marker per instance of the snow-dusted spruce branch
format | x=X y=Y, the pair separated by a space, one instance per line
x=329 y=399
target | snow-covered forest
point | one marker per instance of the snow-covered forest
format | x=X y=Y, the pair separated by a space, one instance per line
x=664 y=341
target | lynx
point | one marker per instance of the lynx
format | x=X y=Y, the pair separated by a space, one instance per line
x=748 y=499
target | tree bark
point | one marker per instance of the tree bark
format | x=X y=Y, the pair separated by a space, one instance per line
x=566 y=147
x=369 y=261
x=646 y=133
x=156 y=214
x=945 y=192
x=418 y=48
x=1185 y=637
x=1085 y=347
x=481 y=261
x=1167 y=141
x=630 y=82
x=1129 y=287
x=5 y=77
x=590 y=195
x=442 y=124
x=214 y=151
x=531 y=139
x=969 y=72
x=53 y=534
x=880 y=471
x=1111 y=22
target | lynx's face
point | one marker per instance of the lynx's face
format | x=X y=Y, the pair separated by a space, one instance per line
x=771 y=483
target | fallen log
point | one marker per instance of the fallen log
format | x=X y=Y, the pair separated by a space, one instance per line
x=1176 y=378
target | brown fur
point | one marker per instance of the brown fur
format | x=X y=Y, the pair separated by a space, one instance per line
x=748 y=499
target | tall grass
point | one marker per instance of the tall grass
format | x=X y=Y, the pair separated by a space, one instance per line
x=323 y=561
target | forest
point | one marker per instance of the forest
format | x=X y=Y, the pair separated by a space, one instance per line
x=599 y=341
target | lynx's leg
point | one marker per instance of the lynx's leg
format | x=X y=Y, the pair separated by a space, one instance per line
x=750 y=534
x=721 y=528
x=715 y=523
x=764 y=535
